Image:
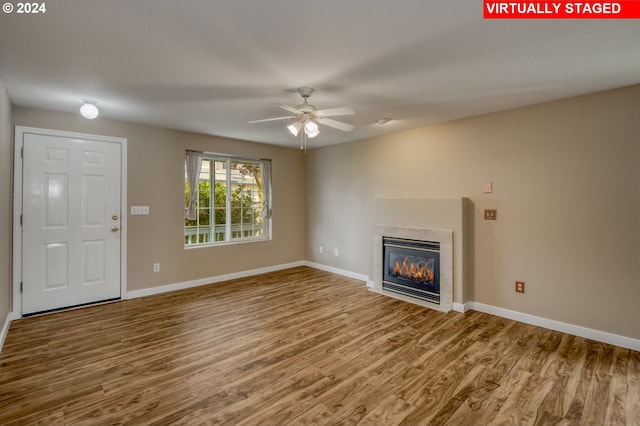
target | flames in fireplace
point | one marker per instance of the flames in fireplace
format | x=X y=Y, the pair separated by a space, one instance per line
x=415 y=271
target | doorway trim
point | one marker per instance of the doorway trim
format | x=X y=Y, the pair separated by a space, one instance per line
x=20 y=131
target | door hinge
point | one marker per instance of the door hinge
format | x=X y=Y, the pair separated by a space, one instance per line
x=20 y=220
x=20 y=286
x=21 y=152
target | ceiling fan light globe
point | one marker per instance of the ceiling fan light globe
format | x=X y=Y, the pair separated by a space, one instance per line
x=294 y=128
x=311 y=129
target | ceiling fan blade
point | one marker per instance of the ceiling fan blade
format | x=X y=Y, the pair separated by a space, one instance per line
x=273 y=119
x=288 y=108
x=334 y=111
x=335 y=124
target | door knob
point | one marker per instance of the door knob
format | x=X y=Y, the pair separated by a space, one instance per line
x=114 y=229
x=114 y=217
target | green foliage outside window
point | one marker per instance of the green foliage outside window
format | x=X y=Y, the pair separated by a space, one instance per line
x=244 y=209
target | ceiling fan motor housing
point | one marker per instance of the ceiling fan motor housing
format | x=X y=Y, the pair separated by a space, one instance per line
x=305 y=107
x=305 y=92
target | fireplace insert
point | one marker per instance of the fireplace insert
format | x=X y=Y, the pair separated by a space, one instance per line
x=412 y=268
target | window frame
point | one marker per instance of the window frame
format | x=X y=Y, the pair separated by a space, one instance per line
x=214 y=158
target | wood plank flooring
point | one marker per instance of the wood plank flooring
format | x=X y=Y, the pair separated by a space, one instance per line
x=303 y=346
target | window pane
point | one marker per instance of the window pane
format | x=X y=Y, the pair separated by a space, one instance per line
x=220 y=200
x=246 y=200
x=203 y=217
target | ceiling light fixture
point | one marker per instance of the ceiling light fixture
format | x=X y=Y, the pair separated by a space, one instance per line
x=308 y=117
x=89 y=110
x=382 y=121
x=310 y=130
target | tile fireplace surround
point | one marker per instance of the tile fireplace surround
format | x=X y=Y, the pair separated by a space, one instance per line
x=445 y=238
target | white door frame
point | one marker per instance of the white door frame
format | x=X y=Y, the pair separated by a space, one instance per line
x=20 y=131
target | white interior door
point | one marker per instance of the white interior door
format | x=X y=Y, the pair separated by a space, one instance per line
x=71 y=206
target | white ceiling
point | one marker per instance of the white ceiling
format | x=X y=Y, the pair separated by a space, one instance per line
x=210 y=66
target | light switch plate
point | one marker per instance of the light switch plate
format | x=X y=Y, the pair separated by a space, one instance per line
x=137 y=210
x=488 y=187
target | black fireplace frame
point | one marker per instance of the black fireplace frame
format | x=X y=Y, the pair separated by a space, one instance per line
x=408 y=287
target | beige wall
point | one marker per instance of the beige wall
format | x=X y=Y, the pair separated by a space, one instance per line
x=566 y=181
x=156 y=179
x=6 y=152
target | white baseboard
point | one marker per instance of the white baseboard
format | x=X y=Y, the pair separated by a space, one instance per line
x=460 y=307
x=338 y=271
x=5 y=329
x=211 y=280
x=576 y=330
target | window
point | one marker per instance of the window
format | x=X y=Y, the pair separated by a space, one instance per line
x=231 y=202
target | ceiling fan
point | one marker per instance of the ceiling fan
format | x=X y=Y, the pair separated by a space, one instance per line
x=306 y=116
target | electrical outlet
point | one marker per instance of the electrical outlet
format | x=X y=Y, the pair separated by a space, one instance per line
x=321 y=249
x=490 y=214
x=335 y=253
x=519 y=286
x=156 y=267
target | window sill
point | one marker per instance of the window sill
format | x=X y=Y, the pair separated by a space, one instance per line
x=226 y=243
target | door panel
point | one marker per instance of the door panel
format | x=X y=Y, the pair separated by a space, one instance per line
x=55 y=259
x=93 y=262
x=56 y=200
x=71 y=226
x=93 y=195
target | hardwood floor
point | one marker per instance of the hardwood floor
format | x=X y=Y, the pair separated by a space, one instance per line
x=299 y=347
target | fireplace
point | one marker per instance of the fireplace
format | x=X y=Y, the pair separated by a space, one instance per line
x=439 y=245
x=411 y=268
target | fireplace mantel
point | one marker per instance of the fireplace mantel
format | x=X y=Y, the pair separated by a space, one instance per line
x=445 y=238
